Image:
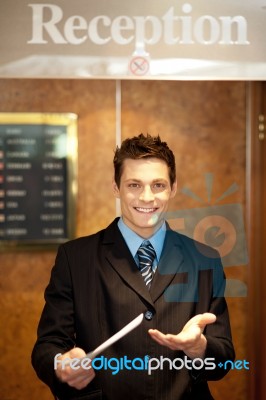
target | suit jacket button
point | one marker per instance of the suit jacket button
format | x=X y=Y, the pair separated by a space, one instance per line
x=148 y=315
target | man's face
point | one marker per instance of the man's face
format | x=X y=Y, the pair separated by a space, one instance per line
x=144 y=193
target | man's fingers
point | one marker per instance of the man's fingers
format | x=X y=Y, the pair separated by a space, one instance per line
x=79 y=382
x=76 y=352
x=201 y=320
x=207 y=318
x=157 y=335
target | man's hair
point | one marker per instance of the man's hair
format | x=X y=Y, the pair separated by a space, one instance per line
x=142 y=146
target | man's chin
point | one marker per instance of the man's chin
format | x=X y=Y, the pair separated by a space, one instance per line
x=154 y=222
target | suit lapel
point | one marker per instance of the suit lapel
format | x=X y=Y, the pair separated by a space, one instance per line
x=170 y=263
x=121 y=260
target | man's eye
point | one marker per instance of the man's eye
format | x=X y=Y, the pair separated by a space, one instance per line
x=134 y=185
x=159 y=185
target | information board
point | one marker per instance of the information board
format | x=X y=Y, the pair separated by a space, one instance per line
x=38 y=155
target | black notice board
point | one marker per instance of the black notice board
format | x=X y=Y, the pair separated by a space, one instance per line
x=38 y=162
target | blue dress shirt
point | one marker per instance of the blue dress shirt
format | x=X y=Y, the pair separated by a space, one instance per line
x=133 y=241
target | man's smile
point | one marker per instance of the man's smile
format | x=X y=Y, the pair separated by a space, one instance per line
x=145 y=210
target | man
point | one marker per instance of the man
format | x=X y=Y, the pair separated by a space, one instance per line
x=101 y=282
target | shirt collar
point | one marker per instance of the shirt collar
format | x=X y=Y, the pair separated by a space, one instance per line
x=133 y=240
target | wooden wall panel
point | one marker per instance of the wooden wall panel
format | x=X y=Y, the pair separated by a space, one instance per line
x=204 y=123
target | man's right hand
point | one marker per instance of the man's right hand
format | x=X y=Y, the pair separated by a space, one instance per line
x=73 y=374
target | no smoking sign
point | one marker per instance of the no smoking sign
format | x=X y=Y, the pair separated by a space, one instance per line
x=139 y=65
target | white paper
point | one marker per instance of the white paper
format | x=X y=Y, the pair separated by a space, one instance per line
x=124 y=331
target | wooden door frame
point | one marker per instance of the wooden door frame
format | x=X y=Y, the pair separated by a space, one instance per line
x=256 y=175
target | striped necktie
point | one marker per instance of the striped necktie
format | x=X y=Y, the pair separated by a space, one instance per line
x=146 y=255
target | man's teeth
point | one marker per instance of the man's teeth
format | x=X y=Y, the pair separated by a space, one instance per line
x=145 y=210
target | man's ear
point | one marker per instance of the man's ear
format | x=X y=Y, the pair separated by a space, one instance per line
x=115 y=189
x=173 y=189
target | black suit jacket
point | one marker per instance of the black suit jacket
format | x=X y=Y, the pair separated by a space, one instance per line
x=96 y=288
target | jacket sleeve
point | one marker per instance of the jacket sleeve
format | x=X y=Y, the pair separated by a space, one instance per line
x=219 y=338
x=220 y=349
x=56 y=332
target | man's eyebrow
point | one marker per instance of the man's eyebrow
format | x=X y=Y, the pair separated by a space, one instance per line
x=139 y=180
x=132 y=179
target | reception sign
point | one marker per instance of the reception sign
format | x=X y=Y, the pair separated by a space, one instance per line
x=195 y=39
x=37 y=178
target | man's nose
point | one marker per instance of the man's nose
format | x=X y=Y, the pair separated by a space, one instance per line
x=146 y=194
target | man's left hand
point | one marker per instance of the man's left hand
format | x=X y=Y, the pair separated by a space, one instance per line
x=190 y=340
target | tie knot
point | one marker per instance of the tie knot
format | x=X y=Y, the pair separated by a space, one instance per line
x=146 y=252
